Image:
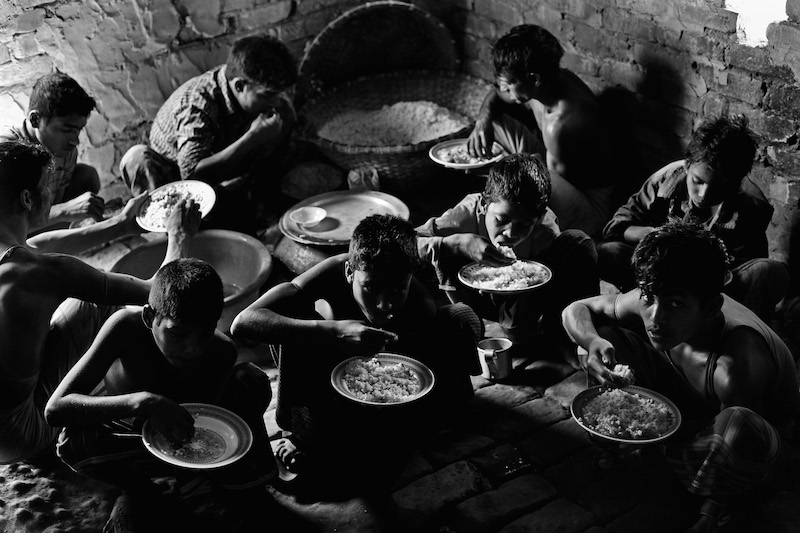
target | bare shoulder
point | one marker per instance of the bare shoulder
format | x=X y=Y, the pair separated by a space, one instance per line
x=745 y=361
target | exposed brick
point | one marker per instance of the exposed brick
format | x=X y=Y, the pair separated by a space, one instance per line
x=24 y=46
x=524 y=420
x=28 y=21
x=5 y=55
x=598 y=43
x=477 y=25
x=265 y=15
x=627 y=75
x=554 y=443
x=714 y=104
x=417 y=503
x=27 y=4
x=770 y=127
x=501 y=463
x=449 y=448
x=783 y=100
x=713 y=18
x=12 y=109
x=204 y=16
x=561 y=515
x=647 y=7
x=757 y=60
x=580 y=64
x=630 y=24
x=25 y=72
x=743 y=86
x=238 y=5
x=784 y=34
x=786 y=160
x=485 y=512
x=793 y=10
x=501 y=10
x=499 y=395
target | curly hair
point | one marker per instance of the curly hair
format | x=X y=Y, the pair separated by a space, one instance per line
x=21 y=168
x=58 y=95
x=263 y=60
x=520 y=179
x=681 y=255
x=189 y=290
x=526 y=49
x=726 y=145
x=385 y=243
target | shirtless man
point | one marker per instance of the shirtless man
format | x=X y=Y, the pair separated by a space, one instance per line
x=731 y=376
x=46 y=322
x=569 y=128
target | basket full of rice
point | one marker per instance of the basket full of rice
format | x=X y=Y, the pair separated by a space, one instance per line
x=629 y=415
x=389 y=122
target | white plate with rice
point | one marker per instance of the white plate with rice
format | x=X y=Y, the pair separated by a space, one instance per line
x=384 y=379
x=220 y=438
x=454 y=154
x=522 y=275
x=154 y=212
x=630 y=415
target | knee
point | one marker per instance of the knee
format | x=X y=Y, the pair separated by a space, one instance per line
x=576 y=243
x=462 y=317
x=86 y=178
x=132 y=159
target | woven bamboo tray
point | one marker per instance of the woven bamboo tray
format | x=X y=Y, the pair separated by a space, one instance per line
x=400 y=168
x=374 y=38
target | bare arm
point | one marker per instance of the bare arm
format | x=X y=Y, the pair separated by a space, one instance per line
x=76 y=240
x=481 y=139
x=580 y=320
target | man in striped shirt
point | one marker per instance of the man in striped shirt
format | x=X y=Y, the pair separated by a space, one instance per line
x=228 y=127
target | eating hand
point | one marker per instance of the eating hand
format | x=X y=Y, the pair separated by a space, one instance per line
x=171 y=420
x=597 y=358
x=481 y=140
x=86 y=205
x=477 y=248
x=184 y=218
x=356 y=336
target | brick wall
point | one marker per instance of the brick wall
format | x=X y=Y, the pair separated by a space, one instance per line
x=660 y=65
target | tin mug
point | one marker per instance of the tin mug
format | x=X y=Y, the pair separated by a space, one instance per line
x=495 y=357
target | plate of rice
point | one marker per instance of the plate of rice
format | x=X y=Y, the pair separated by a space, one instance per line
x=454 y=154
x=520 y=276
x=384 y=379
x=631 y=415
x=220 y=438
x=154 y=212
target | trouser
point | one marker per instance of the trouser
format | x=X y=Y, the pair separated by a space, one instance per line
x=759 y=283
x=239 y=201
x=717 y=454
x=73 y=326
x=100 y=452
x=585 y=209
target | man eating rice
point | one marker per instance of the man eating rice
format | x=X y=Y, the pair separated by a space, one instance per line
x=731 y=376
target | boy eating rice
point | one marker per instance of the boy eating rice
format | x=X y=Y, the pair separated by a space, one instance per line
x=151 y=359
x=376 y=304
x=512 y=213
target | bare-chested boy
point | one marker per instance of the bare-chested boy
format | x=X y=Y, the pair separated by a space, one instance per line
x=731 y=376
x=46 y=320
x=569 y=127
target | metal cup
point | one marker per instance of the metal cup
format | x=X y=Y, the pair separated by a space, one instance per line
x=495 y=357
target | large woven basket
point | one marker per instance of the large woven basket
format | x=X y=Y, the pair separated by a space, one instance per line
x=374 y=38
x=404 y=167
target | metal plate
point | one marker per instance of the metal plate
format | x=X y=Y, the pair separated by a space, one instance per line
x=230 y=434
x=202 y=193
x=345 y=210
x=466 y=276
x=435 y=154
x=580 y=401
x=422 y=372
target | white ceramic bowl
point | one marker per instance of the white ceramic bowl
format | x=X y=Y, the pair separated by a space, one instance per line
x=308 y=216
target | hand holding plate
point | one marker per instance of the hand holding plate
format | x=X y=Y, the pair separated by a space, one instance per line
x=481 y=140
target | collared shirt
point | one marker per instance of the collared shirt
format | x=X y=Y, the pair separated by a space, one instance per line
x=741 y=222
x=63 y=166
x=201 y=118
x=469 y=216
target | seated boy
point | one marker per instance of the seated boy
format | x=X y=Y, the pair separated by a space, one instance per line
x=375 y=304
x=57 y=113
x=710 y=187
x=512 y=212
x=151 y=359
x=731 y=376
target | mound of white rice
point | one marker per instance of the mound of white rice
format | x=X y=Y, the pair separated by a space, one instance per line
x=161 y=204
x=393 y=125
x=621 y=414
x=371 y=381
x=517 y=275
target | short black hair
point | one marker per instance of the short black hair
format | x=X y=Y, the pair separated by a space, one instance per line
x=263 y=60
x=526 y=49
x=21 y=167
x=684 y=256
x=726 y=145
x=384 y=243
x=521 y=179
x=189 y=290
x=59 y=95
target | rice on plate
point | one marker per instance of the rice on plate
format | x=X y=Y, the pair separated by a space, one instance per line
x=625 y=415
x=519 y=275
x=372 y=381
